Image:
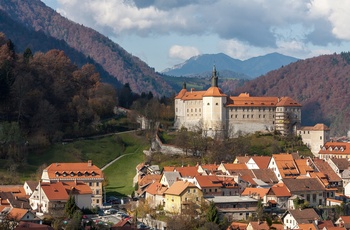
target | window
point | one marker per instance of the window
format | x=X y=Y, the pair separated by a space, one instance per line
x=97 y=192
x=97 y=183
x=194 y=190
x=320 y=137
x=217 y=104
x=90 y=184
x=188 y=191
x=208 y=104
x=236 y=116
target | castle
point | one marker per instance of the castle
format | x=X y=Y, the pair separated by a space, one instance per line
x=219 y=115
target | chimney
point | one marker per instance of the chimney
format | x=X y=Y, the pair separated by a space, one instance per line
x=89 y=163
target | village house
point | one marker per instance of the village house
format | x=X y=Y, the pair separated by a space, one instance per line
x=182 y=195
x=320 y=165
x=338 y=165
x=293 y=218
x=84 y=172
x=258 y=162
x=283 y=166
x=314 y=137
x=168 y=178
x=154 y=194
x=277 y=198
x=335 y=150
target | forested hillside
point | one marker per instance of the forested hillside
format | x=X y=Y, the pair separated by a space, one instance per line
x=35 y=16
x=44 y=97
x=321 y=84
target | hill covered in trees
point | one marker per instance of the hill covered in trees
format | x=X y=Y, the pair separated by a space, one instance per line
x=41 y=29
x=321 y=84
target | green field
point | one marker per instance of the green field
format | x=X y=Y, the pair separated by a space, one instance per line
x=101 y=151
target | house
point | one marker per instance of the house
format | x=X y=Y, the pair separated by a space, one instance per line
x=84 y=172
x=182 y=195
x=15 y=215
x=314 y=137
x=124 y=224
x=304 y=166
x=277 y=197
x=320 y=165
x=343 y=221
x=338 y=165
x=258 y=162
x=229 y=169
x=241 y=159
x=208 y=169
x=187 y=171
x=146 y=181
x=258 y=225
x=235 y=207
x=311 y=189
x=168 y=178
x=256 y=193
x=335 y=150
x=293 y=218
x=30 y=186
x=14 y=200
x=154 y=194
x=237 y=226
x=283 y=166
x=219 y=115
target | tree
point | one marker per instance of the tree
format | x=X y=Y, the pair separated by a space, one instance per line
x=212 y=213
x=70 y=206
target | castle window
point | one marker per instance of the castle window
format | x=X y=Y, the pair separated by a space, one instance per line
x=231 y=116
x=243 y=115
x=259 y=116
x=191 y=110
x=188 y=110
x=263 y=116
x=252 y=109
x=320 y=137
x=243 y=109
x=273 y=116
x=199 y=110
x=195 y=110
x=217 y=104
x=208 y=104
x=252 y=116
x=248 y=116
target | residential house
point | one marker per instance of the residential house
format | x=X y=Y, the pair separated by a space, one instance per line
x=283 y=166
x=15 y=215
x=304 y=166
x=210 y=185
x=14 y=200
x=237 y=226
x=256 y=193
x=146 y=181
x=314 y=137
x=187 y=171
x=343 y=221
x=277 y=198
x=338 y=165
x=81 y=192
x=235 y=207
x=311 y=189
x=320 y=165
x=168 y=178
x=309 y=226
x=335 y=150
x=181 y=196
x=241 y=159
x=258 y=225
x=228 y=169
x=208 y=169
x=84 y=172
x=293 y=218
x=30 y=186
x=258 y=162
x=345 y=176
x=154 y=194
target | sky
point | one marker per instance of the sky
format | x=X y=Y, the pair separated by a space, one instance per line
x=164 y=33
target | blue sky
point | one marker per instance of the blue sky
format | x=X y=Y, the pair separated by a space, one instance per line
x=167 y=32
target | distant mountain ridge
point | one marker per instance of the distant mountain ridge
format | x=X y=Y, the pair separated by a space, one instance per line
x=201 y=65
x=36 y=17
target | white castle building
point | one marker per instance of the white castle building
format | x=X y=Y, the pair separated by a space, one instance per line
x=219 y=115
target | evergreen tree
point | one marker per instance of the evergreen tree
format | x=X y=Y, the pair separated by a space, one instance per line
x=212 y=214
x=70 y=206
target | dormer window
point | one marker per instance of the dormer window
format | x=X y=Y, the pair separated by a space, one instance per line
x=93 y=174
x=330 y=149
x=64 y=174
x=342 y=149
x=72 y=174
x=57 y=174
x=79 y=174
x=86 y=174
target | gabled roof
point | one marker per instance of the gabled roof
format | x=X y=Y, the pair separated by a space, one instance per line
x=261 y=192
x=15 y=201
x=242 y=159
x=308 y=226
x=317 y=127
x=54 y=191
x=286 y=165
x=190 y=95
x=326 y=169
x=303 y=184
x=262 y=161
x=77 y=187
x=169 y=168
x=266 y=175
x=17 y=213
x=287 y=101
x=187 y=171
x=321 y=176
x=280 y=190
x=171 y=176
x=341 y=163
x=325 y=223
x=259 y=225
x=304 y=216
x=238 y=226
x=303 y=166
x=148 y=179
x=156 y=188
x=232 y=167
x=209 y=181
x=32 y=184
x=179 y=187
x=72 y=171
x=24 y=225
x=214 y=92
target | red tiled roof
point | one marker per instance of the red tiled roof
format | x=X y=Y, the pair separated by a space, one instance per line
x=214 y=92
x=280 y=190
x=179 y=187
x=209 y=181
x=17 y=213
x=188 y=171
x=73 y=171
x=326 y=169
x=244 y=99
x=303 y=166
x=156 y=188
x=255 y=191
x=77 y=187
x=149 y=178
x=190 y=95
x=335 y=148
x=262 y=161
x=54 y=191
x=317 y=127
x=287 y=101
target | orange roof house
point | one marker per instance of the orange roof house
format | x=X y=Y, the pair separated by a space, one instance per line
x=85 y=172
x=19 y=214
x=335 y=150
x=304 y=166
x=283 y=165
x=257 y=193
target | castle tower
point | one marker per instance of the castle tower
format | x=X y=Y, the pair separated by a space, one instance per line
x=214 y=111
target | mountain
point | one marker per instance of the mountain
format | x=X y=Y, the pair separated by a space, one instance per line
x=321 y=84
x=234 y=68
x=81 y=43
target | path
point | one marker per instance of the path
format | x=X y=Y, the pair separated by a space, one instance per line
x=104 y=167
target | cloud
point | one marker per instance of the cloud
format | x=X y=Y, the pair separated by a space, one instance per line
x=257 y=23
x=183 y=52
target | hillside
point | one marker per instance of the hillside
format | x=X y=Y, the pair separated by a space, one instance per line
x=201 y=66
x=35 y=16
x=320 y=84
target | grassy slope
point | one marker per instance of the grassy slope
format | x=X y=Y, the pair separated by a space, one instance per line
x=101 y=151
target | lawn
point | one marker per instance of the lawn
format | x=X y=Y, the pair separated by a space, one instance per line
x=101 y=151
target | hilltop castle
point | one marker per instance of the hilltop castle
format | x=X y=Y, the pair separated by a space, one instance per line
x=219 y=115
